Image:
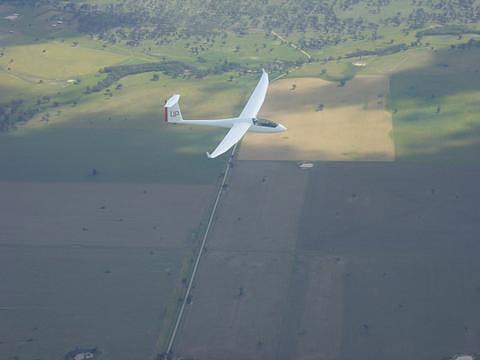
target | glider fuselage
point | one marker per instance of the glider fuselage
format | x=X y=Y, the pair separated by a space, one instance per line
x=239 y=126
x=257 y=125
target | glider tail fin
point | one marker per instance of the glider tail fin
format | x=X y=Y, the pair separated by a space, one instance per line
x=172 y=110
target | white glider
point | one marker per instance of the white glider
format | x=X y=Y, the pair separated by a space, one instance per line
x=247 y=121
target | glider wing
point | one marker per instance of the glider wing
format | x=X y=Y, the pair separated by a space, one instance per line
x=233 y=136
x=256 y=99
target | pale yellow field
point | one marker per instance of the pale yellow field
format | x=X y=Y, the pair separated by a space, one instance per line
x=353 y=125
x=56 y=60
x=141 y=101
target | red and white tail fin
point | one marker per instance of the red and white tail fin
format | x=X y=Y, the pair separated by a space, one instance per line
x=172 y=110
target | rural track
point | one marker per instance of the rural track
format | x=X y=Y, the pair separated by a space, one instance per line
x=292 y=45
x=200 y=253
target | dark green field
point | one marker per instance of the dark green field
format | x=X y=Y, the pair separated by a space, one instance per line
x=118 y=155
x=435 y=107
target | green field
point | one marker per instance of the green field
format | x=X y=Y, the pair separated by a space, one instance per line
x=433 y=98
x=435 y=107
x=118 y=155
x=118 y=132
x=56 y=60
x=124 y=136
x=428 y=121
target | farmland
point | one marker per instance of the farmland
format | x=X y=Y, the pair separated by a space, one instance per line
x=91 y=185
x=370 y=252
x=330 y=122
x=346 y=269
x=88 y=264
x=249 y=295
x=370 y=256
x=395 y=228
x=436 y=109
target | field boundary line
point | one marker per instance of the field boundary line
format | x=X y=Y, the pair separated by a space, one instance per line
x=279 y=77
x=200 y=252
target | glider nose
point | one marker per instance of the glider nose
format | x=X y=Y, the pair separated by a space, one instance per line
x=281 y=127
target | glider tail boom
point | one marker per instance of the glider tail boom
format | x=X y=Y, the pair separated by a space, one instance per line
x=172 y=110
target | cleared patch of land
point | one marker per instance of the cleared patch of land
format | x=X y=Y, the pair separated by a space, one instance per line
x=56 y=60
x=138 y=103
x=325 y=121
x=93 y=265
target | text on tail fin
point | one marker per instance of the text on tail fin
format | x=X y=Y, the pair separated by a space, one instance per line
x=172 y=110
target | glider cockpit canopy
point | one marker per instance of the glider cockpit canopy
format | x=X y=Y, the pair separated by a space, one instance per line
x=264 y=122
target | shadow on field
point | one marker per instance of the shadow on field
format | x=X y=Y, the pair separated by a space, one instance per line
x=33 y=24
x=436 y=109
x=449 y=72
x=120 y=155
x=459 y=66
x=307 y=94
